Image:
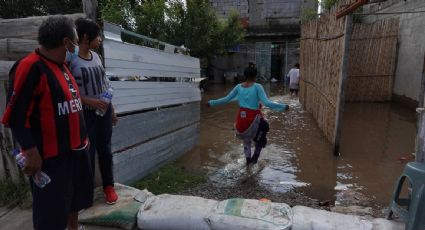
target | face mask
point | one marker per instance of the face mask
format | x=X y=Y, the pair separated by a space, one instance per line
x=71 y=55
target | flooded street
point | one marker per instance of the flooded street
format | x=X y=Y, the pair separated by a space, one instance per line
x=297 y=165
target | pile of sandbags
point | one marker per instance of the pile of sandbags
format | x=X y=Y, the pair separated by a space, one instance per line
x=166 y=212
x=173 y=212
x=306 y=218
x=188 y=212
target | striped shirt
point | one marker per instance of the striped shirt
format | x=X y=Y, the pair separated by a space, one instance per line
x=44 y=106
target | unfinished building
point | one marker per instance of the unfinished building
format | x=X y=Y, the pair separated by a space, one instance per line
x=272 y=36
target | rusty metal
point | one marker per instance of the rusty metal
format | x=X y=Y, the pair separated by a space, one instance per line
x=351 y=8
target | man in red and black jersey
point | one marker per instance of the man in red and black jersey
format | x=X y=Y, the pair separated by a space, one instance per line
x=45 y=114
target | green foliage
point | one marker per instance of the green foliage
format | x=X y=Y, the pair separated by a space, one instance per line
x=328 y=4
x=174 y=30
x=169 y=179
x=194 y=24
x=356 y=17
x=308 y=15
x=150 y=19
x=14 y=194
x=202 y=28
x=27 y=8
x=117 y=11
x=232 y=31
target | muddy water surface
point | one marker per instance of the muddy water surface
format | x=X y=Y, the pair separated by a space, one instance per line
x=298 y=160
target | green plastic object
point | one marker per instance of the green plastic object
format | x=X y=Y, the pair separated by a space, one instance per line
x=411 y=209
x=120 y=215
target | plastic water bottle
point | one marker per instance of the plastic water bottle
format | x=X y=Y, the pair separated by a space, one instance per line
x=40 y=178
x=107 y=97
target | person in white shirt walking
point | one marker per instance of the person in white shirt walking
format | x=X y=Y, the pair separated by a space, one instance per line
x=294 y=80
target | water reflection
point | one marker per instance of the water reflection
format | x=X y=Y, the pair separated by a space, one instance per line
x=299 y=159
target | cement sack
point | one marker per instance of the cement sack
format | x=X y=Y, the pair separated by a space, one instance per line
x=172 y=212
x=245 y=214
x=312 y=219
x=122 y=214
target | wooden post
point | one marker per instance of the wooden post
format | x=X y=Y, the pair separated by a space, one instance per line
x=90 y=8
x=420 y=134
x=8 y=168
x=344 y=74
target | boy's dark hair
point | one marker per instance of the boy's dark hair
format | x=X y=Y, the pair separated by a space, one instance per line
x=297 y=65
x=87 y=26
x=250 y=73
x=54 y=29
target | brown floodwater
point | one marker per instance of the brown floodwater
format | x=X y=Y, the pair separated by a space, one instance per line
x=298 y=159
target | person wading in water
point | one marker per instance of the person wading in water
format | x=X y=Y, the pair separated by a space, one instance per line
x=250 y=124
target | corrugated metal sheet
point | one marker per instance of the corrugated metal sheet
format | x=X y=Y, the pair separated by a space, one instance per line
x=131 y=96
x=125 y=59
x=137 y=162
x=134 y=129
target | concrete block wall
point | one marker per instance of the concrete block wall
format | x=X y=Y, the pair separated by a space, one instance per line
x=223 y=8
x=283 y=8
x=237 y=62
x=269 y=21
x=411 y=44
x=261 y=11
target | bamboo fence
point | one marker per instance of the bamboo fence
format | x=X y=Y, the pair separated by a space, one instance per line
x=366 y=59
x=372 y=61
x=321 y=63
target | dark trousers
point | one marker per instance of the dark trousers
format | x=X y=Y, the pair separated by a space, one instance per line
x=70 y=190
x=100 y=133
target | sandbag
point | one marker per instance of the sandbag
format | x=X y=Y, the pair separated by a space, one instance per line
x=246 y=214
x=122 y=214
x=172 y=212
x=312 y=219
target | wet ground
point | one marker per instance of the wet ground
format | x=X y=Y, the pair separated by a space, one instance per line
x=297 y=166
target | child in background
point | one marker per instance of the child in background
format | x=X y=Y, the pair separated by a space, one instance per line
x=294 y=80
x=250 y=124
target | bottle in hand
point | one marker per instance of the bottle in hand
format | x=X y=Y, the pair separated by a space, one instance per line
x=40 y=178
x=107 y=97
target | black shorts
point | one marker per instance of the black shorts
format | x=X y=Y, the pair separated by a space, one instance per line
x=70 y=190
